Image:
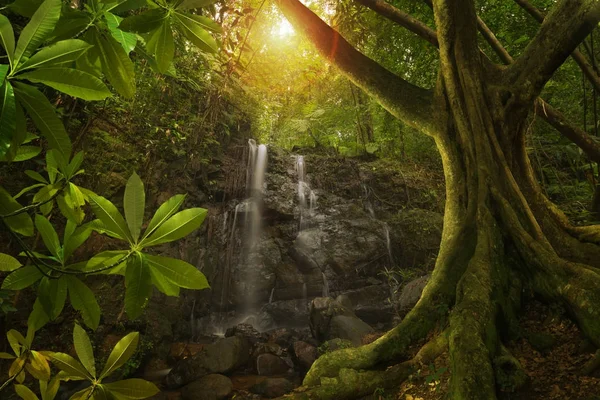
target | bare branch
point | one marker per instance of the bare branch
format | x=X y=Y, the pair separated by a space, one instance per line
x=408 y=102
x=585 y=66
x=561 y=32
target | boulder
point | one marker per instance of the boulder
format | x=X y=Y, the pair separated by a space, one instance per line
x=305 y=354
x=245 y=330
x=329 y=319
x=273 y=387
x=269 y=364
x=411 y=293
x=220 y=357
x=213 y=386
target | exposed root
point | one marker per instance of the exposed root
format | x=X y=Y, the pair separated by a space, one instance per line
x=509 y=373
x=350 y=383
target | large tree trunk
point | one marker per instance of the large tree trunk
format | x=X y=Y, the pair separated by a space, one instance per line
x=500 y=232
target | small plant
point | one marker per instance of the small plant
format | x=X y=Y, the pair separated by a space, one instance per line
x=435 y=374
x=25 y=358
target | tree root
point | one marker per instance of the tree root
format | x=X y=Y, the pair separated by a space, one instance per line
x=592 y=365
x=509 y=373
x=351 y=383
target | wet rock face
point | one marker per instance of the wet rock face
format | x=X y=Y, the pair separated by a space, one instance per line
x=273 y=387
x=213 y=386
x=269 y=364
x=305 y=354
x=329 y=319
x=220 y=357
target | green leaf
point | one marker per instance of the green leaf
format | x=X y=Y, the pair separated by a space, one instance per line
x=110 y=217
x=83 y=394
x=79 y=236
x=71 y=24
x=69 y=81
x=122 y=352
x=145 y=22
x=71 y=366
x=138 y=285
x=20 y=223
x=83 y=300
x=134 y=203
x=162 y=283
x=25 y=393
x=203 y=21
x=25 y=153
x=8 y=263
x=128 y=5
x=53 y=294
x=22 y=278
x=196 y=34
x=28 y=189
x=63 y=52
x=116 y=65
x=51 y=165
x=165 y=47
x=8 y=118
x=37 y=317
x=49 y=236
x=3 y=71
x=90 y=61
x=128 y=40
x=179 y=225
x=25 y=8
x=191 y=4
x=15 y=340
x=74 y=165
x=42 y=23
x=48 y=390
x=107 y=258
x=6 y=356
x=83 y=348
x=44 y=117
x=178 y=272
x=44 y=195
x=7 y=38
x=132 y=389
x=164 y=212
x=69 y=209
x=20 y=135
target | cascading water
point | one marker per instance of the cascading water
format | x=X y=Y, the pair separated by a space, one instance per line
x=307 y=211
x=386 y=229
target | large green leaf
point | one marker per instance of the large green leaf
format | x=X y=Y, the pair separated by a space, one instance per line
x=127 y=39
x=22 y=278
x=165 y=47
x=138 y=285
x=116 y=65
x=90 y=61
x=8 y=263
x=105 y=259
x=37 y=318
x=162 y=283
x=38 y=29
x=71 y=23
x=179 y=225
x=145 y=22
x=69 y=81
x=203 y=21
x=79 y=236
x=25 y=393
x=65 y=51
x=83 y=300
x=20 y=134
x=191 y=4
x=196 y=34
x=44 y=117
x=84 y=350
x=134 y=203
x=53 y=294
x=20 y=223
x=7 y=38
x=8 y=121
x=71 y=366
x=25 y=153
x=132 y=389
x=122 y=352
x=44 y=195
x=164 y=212
x=178 y=272
x=122 y=6
x=49 y=235
x=110 y=217
x=25 y=8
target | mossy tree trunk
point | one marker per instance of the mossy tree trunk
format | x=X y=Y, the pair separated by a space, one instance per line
x=500 y=232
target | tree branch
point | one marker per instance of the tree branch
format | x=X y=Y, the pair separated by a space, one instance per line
x=408 y=102
x=567 y=25
x=585 y=66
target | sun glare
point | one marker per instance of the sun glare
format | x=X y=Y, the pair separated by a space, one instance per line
x=283 y=28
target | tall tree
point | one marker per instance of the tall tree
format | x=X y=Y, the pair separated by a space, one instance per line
x=500 y=232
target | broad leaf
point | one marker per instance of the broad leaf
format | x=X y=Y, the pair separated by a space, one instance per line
x=20 y=135
x=110 y=217
x=25 y=8
x=132 y=389
x=28 y=189
x=128 y=40
x=49 y=389
x=83 y=348
x=164 y=212
x=25 y=393
x=79 y=236
x=15 y=340
x=49 y=235
x=8 y=121
x=203 y=21
x=122 y=352
x=165 y=47
x=42 y=23
x=74 y=165
x=83 y=300
x=83 y=394
x=107 y=258
x=196 y=34
x=179 y=225
x=40 y=369
x=53 y=294
x=69 y=81
x=116 y=65
x=145 y=22
x=22 y=278
x=67 y=207
x=20 y=223
x=162 y=283
x=7 y=38
x=127 y=5
x=71 y=23
x=65 y=51
x=134 y=203
x=138 y=285
x=37 y=318
x=71 y=366
x=45 y=195
x=8 y=263
x=25 y=153
x=44 y=117
x=178 y=272
x=191 y=4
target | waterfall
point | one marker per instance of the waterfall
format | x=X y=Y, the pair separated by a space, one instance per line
x=325 y=286
x=386 y=229
x=307 y=211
